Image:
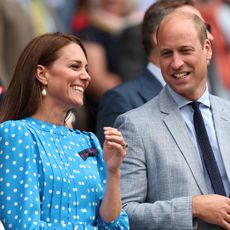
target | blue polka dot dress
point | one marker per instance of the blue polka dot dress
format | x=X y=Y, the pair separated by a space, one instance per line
x=44 y=181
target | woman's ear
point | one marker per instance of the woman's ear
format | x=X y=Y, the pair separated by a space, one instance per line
x=41 y=74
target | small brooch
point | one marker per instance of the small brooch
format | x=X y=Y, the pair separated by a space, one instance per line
x=90 y=152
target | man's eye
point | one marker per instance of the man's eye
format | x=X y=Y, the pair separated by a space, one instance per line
x=165 y=54
x=186 y=51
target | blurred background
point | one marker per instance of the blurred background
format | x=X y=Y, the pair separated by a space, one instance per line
x=111 y=32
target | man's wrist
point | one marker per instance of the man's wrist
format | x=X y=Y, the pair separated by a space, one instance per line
x=195 y=206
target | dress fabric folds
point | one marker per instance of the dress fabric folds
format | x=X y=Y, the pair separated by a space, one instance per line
x=45 y=183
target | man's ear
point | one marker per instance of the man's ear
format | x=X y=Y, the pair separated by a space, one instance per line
x=41 y=74
x=208 y=47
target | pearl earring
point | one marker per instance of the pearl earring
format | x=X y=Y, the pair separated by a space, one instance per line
x=43 y=92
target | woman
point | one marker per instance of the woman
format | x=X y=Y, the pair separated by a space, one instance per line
x=52 y=177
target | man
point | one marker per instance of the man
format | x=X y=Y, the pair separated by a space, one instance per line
x=164 y=181
x=135 y=93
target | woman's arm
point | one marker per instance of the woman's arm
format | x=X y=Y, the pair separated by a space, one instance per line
x=113 y=154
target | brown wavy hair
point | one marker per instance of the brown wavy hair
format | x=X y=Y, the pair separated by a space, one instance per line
x=24 y=92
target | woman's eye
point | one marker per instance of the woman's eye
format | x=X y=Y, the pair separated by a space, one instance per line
x=74 y=66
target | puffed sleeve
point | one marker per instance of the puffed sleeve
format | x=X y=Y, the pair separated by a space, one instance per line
x=122 y=221
x=19 y=178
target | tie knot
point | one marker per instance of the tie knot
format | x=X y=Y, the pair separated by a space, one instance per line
x=195 y=105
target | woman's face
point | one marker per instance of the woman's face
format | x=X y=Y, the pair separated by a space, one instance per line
x=67 y=77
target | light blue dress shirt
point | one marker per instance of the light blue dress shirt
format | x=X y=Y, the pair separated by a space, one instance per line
x=205 y=108
x=155 y=70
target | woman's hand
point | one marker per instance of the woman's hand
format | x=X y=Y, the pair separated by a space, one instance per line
x=114 y=149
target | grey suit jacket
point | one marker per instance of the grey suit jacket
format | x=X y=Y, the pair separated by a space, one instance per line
x=161 y=172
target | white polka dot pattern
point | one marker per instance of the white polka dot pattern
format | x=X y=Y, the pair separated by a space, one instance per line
x=45 y=184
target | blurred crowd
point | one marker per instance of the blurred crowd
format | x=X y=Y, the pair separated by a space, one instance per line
x=111 y=31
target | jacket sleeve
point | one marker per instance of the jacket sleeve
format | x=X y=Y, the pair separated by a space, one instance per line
x=161 y=214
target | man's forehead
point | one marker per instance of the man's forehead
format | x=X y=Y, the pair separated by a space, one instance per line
x=190 y=9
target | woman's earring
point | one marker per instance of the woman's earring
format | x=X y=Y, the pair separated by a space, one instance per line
x=43 y=92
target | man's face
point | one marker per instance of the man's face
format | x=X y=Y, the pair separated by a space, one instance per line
x=183 y=60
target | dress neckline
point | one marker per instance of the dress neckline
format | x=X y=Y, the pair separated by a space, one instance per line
x=48 y=127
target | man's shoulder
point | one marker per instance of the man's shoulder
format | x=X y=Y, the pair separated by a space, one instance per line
x=144 y=78
x=220 y=105
x=126 y=91
x=118 y=94
x=127 y=86
x=150 y=107
x=141 y=116
x=219 y=101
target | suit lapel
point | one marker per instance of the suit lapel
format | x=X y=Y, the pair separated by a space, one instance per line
x=221 y=119
x=179 y=132
x=149 y=85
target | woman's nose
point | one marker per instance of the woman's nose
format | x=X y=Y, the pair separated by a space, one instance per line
x=85 y=75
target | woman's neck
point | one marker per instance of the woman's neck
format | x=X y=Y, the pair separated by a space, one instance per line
x=50 y=114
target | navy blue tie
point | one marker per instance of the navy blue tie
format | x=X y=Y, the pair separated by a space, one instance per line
x=206 y=149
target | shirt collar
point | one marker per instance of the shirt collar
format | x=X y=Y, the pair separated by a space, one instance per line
x=181 y=101
x=156 y=72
